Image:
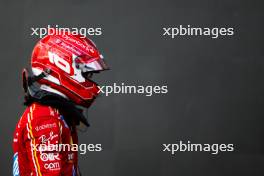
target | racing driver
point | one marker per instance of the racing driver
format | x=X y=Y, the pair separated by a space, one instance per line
x=57 y=90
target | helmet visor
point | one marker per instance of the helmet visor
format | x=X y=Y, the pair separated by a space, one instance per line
x=91 y=64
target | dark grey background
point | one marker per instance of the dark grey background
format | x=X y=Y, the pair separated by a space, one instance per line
x=215 y=86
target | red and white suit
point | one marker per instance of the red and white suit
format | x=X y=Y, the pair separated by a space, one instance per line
x=41 y=124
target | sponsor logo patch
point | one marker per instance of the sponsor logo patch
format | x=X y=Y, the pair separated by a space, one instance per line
x=49 y=156
x=52 y=166
x=45 y=126
x=43 y=138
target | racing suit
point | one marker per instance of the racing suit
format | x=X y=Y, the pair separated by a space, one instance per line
x=42 y=143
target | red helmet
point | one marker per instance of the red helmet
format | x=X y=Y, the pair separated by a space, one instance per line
x=70 y=59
